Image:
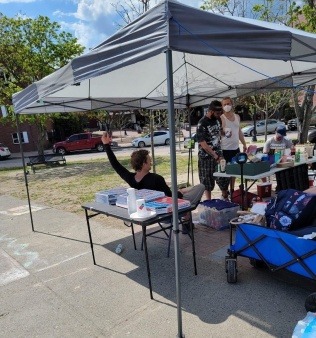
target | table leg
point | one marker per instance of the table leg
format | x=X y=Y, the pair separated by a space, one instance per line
x=147 y=261
x=231 y=189
x=131 y=226
x=133 y=236
x=90 y=237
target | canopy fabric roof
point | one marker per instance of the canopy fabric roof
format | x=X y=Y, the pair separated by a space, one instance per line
x=213 y=56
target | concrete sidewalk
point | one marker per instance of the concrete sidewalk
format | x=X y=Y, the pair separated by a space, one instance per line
x=50 y=287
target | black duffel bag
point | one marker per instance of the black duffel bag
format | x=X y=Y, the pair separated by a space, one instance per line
x=291 y=209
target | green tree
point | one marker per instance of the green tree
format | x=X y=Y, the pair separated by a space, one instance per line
x=304 y=18
x=268 y=10
x=31 y=49
x=270 y=104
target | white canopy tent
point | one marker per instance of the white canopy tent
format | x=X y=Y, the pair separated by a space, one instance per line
x=213 y=56
x=170 y=55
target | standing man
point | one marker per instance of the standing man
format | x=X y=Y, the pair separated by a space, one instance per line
x=232 y=134
x=208 y=136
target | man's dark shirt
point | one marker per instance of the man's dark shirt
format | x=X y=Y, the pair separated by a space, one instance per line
x=208 y=130
x=150 y=181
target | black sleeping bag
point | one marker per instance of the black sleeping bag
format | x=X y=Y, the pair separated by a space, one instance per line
x=291 y=210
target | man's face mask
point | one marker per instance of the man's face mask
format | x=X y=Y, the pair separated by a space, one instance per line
x=227 y=108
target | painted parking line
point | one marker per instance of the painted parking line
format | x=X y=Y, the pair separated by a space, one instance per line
x=21 y=210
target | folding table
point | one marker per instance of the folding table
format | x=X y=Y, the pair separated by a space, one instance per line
x=93 y=209
x=295 y=177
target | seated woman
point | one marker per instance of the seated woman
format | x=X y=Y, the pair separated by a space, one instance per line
x=142 y=178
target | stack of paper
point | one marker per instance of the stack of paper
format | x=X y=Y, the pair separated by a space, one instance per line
x=163 y=205
x=109 y=196
x=146 y=194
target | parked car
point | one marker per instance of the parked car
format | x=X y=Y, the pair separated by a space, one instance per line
x=160 y=137
x=4 y=151
x=292 y=124
x=188 y=142
x=79 y=142
x=261 y=127
x=312 y=137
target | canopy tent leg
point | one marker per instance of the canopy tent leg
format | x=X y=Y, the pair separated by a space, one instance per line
x=174 y=186
x=188 y=104
x=24 y=168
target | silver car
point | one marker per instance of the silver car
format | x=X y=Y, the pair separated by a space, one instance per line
x=4 y=151
x=160 y=137
x=272 y=124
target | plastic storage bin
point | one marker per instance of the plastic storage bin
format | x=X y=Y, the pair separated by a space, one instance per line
x=216 y=213
x=249 y=169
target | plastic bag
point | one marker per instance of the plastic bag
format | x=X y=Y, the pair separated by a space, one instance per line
x=306 y=328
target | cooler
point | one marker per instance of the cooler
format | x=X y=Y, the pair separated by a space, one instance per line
x=264 y=189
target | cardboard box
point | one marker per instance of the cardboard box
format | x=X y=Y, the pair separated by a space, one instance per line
x=250 y=169
x=264 y=189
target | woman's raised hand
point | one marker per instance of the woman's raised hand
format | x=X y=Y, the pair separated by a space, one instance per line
x=106 y=138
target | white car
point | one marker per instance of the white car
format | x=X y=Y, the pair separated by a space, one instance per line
x=272 y=124
x=4 y=151
x=160 y=137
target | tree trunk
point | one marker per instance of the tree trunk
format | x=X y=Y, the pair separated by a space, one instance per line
x=304 y=113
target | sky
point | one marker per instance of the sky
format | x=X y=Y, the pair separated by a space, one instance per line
x=90 y=21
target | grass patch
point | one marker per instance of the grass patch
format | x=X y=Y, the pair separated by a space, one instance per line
x=68 y=187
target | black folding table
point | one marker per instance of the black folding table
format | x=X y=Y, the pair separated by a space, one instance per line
x=93 y=209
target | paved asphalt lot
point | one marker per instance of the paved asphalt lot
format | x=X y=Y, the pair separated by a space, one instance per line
x=49 y=286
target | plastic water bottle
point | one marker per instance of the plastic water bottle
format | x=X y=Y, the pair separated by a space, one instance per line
x=119 y=249
x=131 y=200
x=305 y=328
x=222 y=165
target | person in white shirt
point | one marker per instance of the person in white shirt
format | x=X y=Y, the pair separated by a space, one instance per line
x=232 y=134
x=279 y=142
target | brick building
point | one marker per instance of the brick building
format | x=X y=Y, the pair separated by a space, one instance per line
x=29 y=136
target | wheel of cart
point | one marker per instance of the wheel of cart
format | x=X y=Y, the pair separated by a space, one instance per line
x=231 y=269
x=231 y=259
